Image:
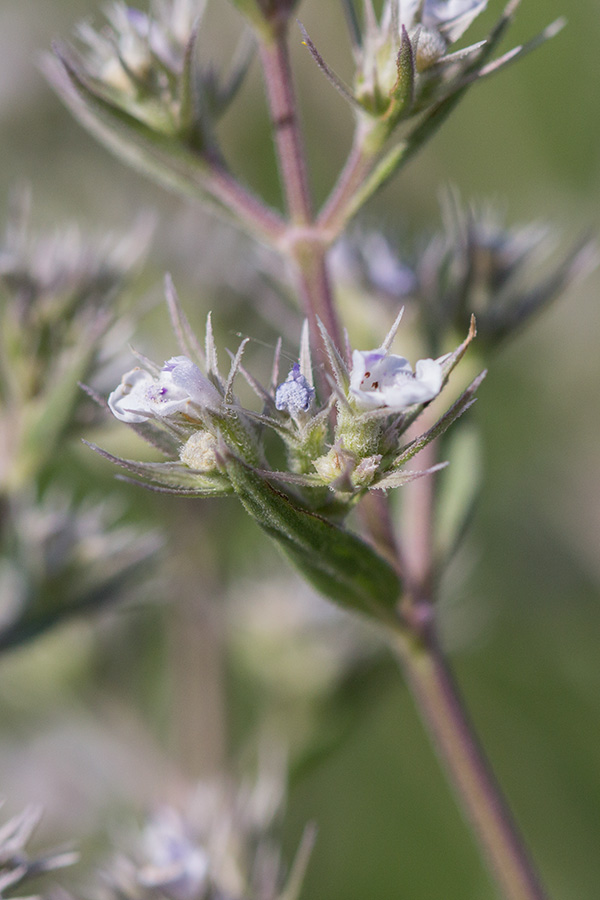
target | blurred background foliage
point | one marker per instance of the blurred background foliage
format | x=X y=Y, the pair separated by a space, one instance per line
x=101 y=718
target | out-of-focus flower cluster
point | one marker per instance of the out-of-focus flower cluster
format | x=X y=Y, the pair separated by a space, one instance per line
x=61 y=306
x=141 y=73
x=475 y=265
x=310 y=664
x=16 y=866
x=59 y=559
x=220 y=845
x=503 y=274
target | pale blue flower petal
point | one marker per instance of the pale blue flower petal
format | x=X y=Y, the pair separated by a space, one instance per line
x=295 y=394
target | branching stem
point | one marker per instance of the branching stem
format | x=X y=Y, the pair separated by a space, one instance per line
x=304 y=243
x=334 y=216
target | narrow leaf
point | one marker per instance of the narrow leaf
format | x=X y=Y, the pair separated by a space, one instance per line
x=334 y=560
x=168 y=474
x=335 y=80
x=341 y=374
x=464 y=402
x=187 y=340
x=397 y=479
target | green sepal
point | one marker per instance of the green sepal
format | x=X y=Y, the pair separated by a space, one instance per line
x=464 y=402
x=335 y=561
x=448 y=364
x=403 y=93
x=174 y=477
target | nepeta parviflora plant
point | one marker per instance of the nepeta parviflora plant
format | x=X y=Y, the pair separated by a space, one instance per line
x=348 y=425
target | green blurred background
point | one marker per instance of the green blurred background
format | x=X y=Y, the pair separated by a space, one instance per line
x=100 y=718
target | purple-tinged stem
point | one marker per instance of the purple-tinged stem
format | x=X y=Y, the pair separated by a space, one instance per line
x=260 y=220
x=469 y=773
x=303 y=245
x=440 y=706
x=333 y=217
x=291 y=158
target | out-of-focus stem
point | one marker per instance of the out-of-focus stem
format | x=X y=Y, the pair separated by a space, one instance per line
x=259 y=219
x=334 y=215
x=417 y=538
x=308 y=257
x=478 y=793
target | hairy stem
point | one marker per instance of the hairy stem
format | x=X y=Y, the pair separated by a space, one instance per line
x=302 y=245
x=291 y=158
x=441 y=709
x=468 y=771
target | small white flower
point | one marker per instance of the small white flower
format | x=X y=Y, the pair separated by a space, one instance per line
x=380 y=379
x=295 y=394
x=180 y=389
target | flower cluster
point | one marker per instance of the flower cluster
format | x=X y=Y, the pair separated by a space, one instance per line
x=338 y=447
x=142 y=69
x=377 y=396
x=475 y=264
x=503 y=274
x=403 y=66
x=59 y=559
x=60 y=322
x=219 y=845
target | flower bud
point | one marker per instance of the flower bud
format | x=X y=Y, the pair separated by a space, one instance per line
x=199 y=452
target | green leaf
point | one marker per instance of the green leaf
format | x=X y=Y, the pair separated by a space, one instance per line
x=173 y=476
x=335 y=561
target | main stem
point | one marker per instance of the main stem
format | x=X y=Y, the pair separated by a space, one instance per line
x=441 y=708
x=443 y=714
x=432 y=685
x=303 y=244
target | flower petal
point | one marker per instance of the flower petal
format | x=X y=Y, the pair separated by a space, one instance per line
x=129 y=401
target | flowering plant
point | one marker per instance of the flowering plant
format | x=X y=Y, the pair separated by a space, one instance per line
x=344 y=455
